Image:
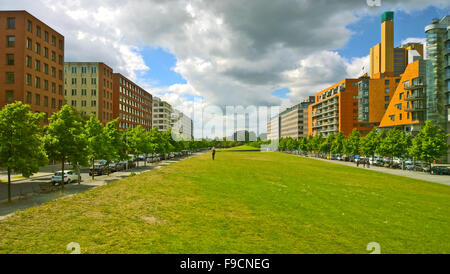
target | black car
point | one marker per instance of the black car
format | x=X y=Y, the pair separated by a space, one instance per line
x=97 y=170
x=440 y=170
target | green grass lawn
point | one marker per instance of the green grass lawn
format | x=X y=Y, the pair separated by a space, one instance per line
x=244 y=147
x=241 y=203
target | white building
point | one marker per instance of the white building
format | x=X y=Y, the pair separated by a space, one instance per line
x=273 y=128
x=161 y=116
x=182 y=126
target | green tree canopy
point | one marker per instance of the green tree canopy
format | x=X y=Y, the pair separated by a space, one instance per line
x=430 y=143
x=66 y=138
x=21 y=144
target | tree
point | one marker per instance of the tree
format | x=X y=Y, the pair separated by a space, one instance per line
x=429 y=144
x=338 y=146
x=136 y=140
x=114 y=142
x=315 y=142
x=353 y=143
x=303 y=144
x=394 y=143
x=66 y=139
x=368 y=145
x=325 y=147
x=21 y=144
x=96 y=140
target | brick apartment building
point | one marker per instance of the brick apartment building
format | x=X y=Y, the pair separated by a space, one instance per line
x=33 y=70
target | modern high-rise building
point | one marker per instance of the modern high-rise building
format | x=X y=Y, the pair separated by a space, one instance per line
x=131 y=104
x=336 y=110
x=182 y=125
x=438 y=74
x=89 y=89
x=162 y=112
x=294 y=120
x=33 y=66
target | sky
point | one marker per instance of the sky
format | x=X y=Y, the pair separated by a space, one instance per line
x=230 y=53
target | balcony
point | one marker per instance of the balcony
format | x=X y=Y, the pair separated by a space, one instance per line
x=415 y=108
x=415 y=97
x=416 y=86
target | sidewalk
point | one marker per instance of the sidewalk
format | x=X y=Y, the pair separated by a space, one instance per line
x=43 y=171
x=34 y=199
x=439 y=179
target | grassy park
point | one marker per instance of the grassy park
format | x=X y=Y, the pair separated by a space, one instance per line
x=247 y=202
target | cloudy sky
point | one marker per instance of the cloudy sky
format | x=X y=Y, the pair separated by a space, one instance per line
x=253 y=52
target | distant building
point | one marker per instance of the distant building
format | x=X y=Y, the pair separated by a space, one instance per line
x=294 y=120
x=182 y=126
x=32 y=66
x=244 y=136
x=162 y=114
x=273 y=128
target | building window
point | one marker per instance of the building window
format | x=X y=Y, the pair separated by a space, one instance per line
x=28 y=61
x=10 y=77
x=392 y=117
x=83 y=92
x=11 y=23
x=60 y=59
x=29 y=43
x=46 y=36
x=29 y=26
x=386 y=82
x=37 y=65
x=53 y=71
x=74 y=103
x=28 y=98
x=83 y=103
x=386 y=90
x=38 y=31
x=45 y=52
x=74 y=92
x=10 y=59
x=60 y=44
x=53 y=40
x=10 y=41
x=53 y=56
x=28 y=79
x=45 y=101
x=37 y=82
x=74 y=81
x=37 y=48
x=93 y=81
x=74 y=70
x=37 y=99
x=386 y=98
x=386 y=106
x=83 y=70
x=53 y=103
x=400 y=116
x=93 y=92
x=60 y=90
x=45 y=84
x=9 y=96
x=93 y=103
x=46 y=68
x=93 y=70
x=400 y=96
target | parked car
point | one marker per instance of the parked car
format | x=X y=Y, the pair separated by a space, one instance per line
x=69 y=177
x=97 y=170
x=440 y=170
x=112 y=167
x=409 y=166
x=422 y=167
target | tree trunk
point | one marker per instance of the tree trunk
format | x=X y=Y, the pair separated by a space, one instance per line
x=62 y=173
x=9 y=184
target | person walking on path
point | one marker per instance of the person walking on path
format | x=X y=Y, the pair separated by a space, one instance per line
x=213 y=150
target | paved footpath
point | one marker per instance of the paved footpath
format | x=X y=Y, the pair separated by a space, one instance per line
x=440 y=179
x=34 y=198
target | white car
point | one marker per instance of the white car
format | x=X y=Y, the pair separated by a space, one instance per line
x=69 y=177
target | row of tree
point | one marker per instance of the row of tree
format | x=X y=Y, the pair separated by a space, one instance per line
x=25 y=145
x=428 y=145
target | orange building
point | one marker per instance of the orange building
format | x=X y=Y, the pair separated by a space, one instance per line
x=374 y=96
x=132 y=104
x=407 y=107
x=32 y=70
x=336 y=110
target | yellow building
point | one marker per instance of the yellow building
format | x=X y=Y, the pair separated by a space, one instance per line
x=89 y=89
